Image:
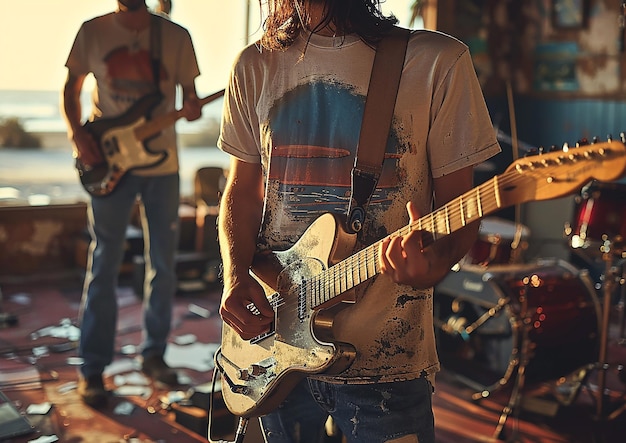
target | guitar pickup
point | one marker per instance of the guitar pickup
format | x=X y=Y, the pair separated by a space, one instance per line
x=110 y=146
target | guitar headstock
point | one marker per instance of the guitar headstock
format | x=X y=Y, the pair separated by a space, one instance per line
x=564 y=171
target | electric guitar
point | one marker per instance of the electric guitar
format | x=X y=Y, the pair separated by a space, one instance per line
x=121 y=143
x=309 y=281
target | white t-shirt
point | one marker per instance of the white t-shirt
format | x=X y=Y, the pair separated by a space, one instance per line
x=298 y=112
x=120 y=60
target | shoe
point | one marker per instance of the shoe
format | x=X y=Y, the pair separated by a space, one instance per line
x=156 y=368
x=92 y=392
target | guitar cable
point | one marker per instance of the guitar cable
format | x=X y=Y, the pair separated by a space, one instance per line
x=242 y=424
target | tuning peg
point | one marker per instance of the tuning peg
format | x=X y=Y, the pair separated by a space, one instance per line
x=565 y=147
x=531 y=152
x=622 y=137
x=609 y=137
x=594 y=140
x=554 y=148
x=582 y=142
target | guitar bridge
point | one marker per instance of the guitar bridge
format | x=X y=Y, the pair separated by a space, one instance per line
x=274 y=300
x=260 y=337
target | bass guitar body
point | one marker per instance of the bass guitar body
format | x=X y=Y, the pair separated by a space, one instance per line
x=120 y=147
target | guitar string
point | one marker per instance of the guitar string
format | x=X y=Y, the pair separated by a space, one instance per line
x=328 y=281
x=335 y=280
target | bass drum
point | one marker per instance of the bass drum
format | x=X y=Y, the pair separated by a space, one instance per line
x=479 y=318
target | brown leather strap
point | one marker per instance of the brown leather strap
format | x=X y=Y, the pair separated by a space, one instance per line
x=379 y=105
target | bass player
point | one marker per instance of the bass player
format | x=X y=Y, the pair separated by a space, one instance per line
x=132 y=54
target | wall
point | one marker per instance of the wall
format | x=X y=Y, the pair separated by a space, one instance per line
x=547 y=82
x=40 y=240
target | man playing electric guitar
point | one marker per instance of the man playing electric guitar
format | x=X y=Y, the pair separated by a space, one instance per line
x=291 y=122
x=133 y=54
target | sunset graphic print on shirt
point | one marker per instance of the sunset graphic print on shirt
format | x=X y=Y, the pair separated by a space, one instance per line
x=314 y=131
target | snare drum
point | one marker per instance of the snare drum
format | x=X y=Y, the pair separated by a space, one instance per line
x=600 y=211
x=499 y=241
x=480 y=315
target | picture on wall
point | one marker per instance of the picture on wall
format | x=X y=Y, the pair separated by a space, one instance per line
x=570 y=14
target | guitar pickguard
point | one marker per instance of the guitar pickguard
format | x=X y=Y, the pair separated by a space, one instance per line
x=124 y=152
x=287 y=353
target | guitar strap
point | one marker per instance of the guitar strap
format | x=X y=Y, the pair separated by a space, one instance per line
x=379 y=105
x=155 y=50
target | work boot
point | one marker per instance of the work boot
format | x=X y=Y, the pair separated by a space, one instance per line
x=92 y=392
x=155 y=367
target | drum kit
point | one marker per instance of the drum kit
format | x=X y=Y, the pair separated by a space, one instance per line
x=502 y=321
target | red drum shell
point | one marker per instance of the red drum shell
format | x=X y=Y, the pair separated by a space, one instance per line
x=600 y=211
x=479 y=313
x=500 y=241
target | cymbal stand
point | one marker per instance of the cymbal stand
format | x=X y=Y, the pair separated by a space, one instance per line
x=622 y=304
x=608 y=286
x=524 y=358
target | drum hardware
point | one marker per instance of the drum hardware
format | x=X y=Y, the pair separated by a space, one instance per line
x=600 y=220
x=513 y=406
x=610 y=279
x=456 y=325
x=540 y=319
x=500 y=241
x=621 y=306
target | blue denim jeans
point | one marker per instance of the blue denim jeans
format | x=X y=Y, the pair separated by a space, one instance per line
x=365 y=413
x=109 y=217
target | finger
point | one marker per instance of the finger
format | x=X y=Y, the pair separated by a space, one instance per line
x=262 y=305
x=395 y=256
x=385 y=266
x=414 y=214
x=246 y=329
x=412 y=244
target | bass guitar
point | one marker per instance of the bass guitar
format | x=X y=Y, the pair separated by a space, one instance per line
x=309 y=281
x=121 y=141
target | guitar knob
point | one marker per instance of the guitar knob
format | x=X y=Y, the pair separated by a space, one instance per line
x=256 y=370
x=251 y=372
x=243 y=374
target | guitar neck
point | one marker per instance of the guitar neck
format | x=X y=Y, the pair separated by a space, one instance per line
x=364 y=264
x=155 y=125
x=540 y=177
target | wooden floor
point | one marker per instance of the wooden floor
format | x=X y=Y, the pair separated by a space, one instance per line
x=37 y=366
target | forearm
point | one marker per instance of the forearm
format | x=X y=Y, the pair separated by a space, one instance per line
x=71 y=107
x=241 y=209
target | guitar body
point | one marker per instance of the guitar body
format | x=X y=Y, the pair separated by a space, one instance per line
x=307 y=283
x=120 y=148
x=122 y=143
x=258 y=374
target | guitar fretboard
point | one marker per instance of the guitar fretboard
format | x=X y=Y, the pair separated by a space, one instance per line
x=540 y=177
x=364 y=265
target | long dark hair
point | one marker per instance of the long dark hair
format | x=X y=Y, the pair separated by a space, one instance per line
x=286 y=18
